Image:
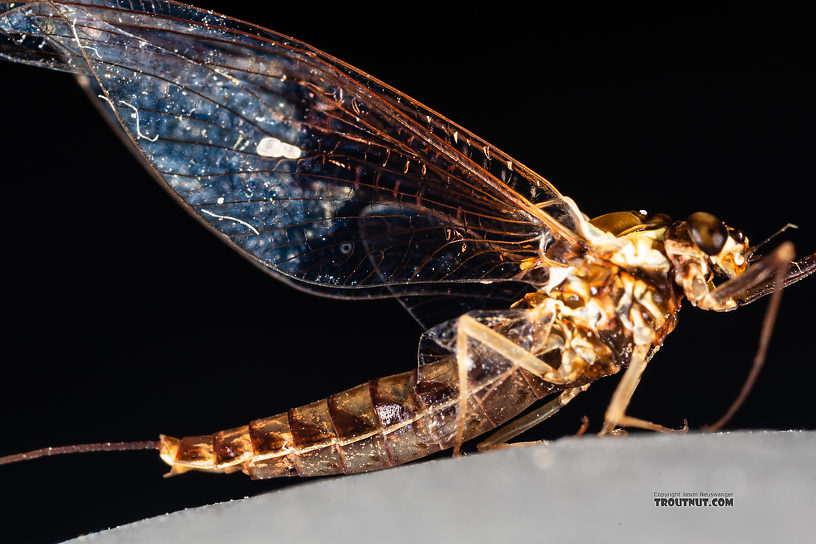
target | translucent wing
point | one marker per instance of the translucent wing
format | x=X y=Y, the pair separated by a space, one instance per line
x=321 y=174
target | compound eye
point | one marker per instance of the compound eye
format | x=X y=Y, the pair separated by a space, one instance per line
x=707 y=232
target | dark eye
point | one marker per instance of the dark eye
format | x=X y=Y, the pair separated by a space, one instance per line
x=707 y=232
x=738 y=236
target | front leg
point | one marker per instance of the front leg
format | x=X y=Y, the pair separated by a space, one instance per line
x=743 y=289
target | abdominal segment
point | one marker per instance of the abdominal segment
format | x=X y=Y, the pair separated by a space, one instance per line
x=378 y=424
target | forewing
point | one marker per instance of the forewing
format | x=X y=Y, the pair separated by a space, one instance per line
x=314 y=170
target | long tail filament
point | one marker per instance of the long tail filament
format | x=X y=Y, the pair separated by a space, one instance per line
x=80 y=448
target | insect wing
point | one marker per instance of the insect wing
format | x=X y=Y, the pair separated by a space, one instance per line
x=314 y=170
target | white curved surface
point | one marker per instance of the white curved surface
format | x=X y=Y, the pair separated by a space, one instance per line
x=584 y=490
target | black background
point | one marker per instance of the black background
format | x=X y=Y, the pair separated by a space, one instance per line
x=114 y=299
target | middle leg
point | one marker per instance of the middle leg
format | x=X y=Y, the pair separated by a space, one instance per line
x=616 y=412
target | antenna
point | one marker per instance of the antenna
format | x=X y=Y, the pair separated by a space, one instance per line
x=80 y=448
x=755 y=248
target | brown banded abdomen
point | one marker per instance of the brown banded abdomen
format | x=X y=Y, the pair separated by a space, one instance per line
x=382 y=423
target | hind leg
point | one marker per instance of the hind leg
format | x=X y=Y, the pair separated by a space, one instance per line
x=469 y=328
x=516 y=427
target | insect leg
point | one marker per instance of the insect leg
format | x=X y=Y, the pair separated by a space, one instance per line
x=470 y=328
x=518 y=426
x=462 y=366
x=616 y=412
x=755 y=282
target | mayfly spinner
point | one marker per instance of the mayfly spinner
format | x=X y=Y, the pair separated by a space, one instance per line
x=338 y=184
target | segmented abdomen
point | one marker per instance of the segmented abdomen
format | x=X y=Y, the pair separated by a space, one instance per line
x=382 y=423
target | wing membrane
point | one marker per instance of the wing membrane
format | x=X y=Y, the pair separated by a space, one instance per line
x=316 y=171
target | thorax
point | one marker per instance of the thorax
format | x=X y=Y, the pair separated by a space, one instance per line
x=618 y=290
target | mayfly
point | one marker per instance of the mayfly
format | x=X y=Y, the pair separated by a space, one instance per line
x=339 y=185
